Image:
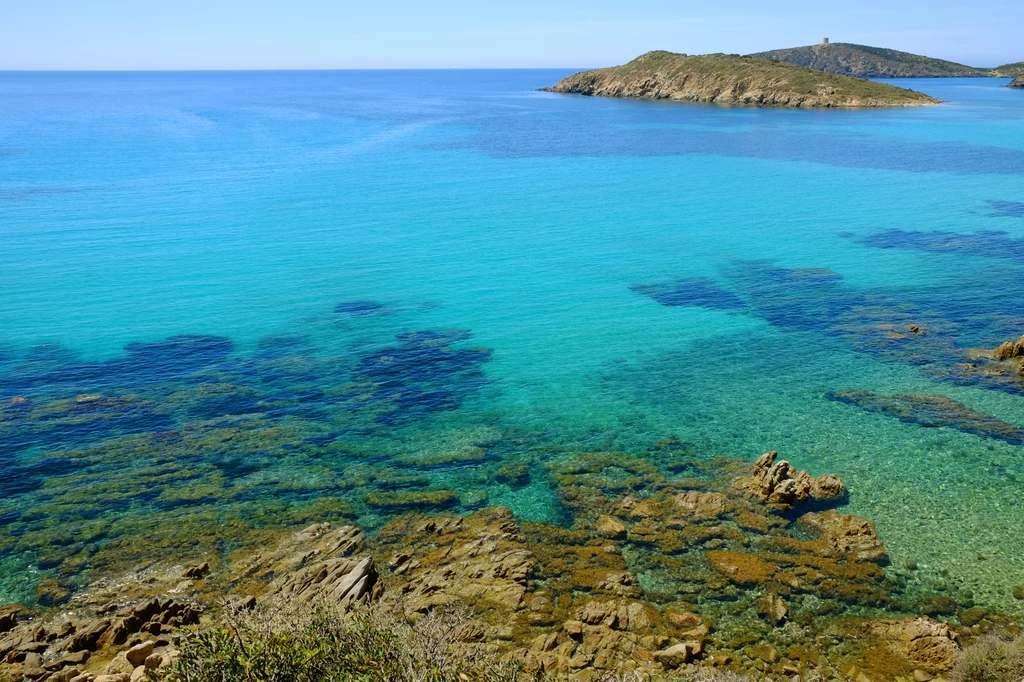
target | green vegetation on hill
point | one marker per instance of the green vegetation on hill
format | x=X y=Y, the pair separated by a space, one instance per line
x=735 y=80
x=1016 y=70
x=862 y=61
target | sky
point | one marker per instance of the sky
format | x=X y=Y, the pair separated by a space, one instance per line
x=341 y=34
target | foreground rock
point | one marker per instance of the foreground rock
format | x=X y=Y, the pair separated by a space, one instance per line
x=734 y=80
x=655 y=574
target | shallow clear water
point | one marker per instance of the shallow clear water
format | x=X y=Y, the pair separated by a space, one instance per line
x=621 y=273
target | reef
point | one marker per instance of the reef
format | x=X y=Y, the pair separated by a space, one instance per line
x=702 y=292
x=1007 y=209
x=911 y=329
x=362 y=308
x=735 y=80
x=987 y=243
x=183 y=446
x=932 y=411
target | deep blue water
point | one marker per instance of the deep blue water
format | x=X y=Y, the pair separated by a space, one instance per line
x=231 y=296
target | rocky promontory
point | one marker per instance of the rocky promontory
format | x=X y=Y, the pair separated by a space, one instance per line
x=737 y=81
x=1017 y=82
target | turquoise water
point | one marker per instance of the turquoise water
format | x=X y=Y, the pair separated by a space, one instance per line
x=384 y=282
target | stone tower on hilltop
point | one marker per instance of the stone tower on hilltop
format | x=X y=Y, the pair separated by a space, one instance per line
x=824 y=41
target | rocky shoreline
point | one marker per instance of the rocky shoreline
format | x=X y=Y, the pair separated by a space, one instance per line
x=752 y=571
x=1017 y=82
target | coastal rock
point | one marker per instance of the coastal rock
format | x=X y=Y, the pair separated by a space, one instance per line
x=339 y=581
x=197 y=571
x=88 y=638
x=703 y=505
x=138 y=654
x=847 y=536
x=1009 y=350
x=611 y=527
x=779 y=485
x=772 y=609
x=1017 y=82
x=929 y=645
x=677 y=654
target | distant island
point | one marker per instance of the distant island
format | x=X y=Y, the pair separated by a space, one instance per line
x=863 y=61
x=735 y=80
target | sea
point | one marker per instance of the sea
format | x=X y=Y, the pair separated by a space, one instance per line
x=234 y=302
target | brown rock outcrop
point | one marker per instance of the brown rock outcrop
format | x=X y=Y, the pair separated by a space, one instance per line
x=780 y=485
x=1009 y=349
x=847 y=536
x=927 y=644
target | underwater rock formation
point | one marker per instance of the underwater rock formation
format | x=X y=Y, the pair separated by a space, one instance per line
x=932 y=411
x=362 y=308
x=1007 y=209
x=987 y=243
x=702 y=292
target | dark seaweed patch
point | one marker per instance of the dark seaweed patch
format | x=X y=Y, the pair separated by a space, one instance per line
x=422 y=374
x=988 y=243
x=806 y=298
x=932 y=411
x=701 y=292
x=166 y=360
x=362 y=308
x=1007 y=209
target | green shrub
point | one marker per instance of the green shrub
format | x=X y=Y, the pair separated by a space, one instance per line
x=992 y=659
x=322 y=644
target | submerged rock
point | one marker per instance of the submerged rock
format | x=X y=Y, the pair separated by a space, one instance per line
x=362 y=308
x=932 y=411
x=701 y=292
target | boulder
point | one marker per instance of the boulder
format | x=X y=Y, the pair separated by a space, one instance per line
x=88 y=638
x=611 y=527
x=197 y=571
x=1010 y=350
x=772 y=609
x=138 y=654
x=678 y=654
x=780 y=485
x=702 y=505
x=844 y=536
x=925 y=643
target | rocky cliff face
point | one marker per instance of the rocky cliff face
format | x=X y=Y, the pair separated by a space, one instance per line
x=733 y=80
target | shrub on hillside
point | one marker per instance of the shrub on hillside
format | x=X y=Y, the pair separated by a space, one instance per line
x=372 y=644
x=992 y=659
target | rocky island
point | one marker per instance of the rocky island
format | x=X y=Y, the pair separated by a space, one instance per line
x=1017 y=82
x=735 y=80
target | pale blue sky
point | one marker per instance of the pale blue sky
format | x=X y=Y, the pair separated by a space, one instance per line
x=263 y=34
